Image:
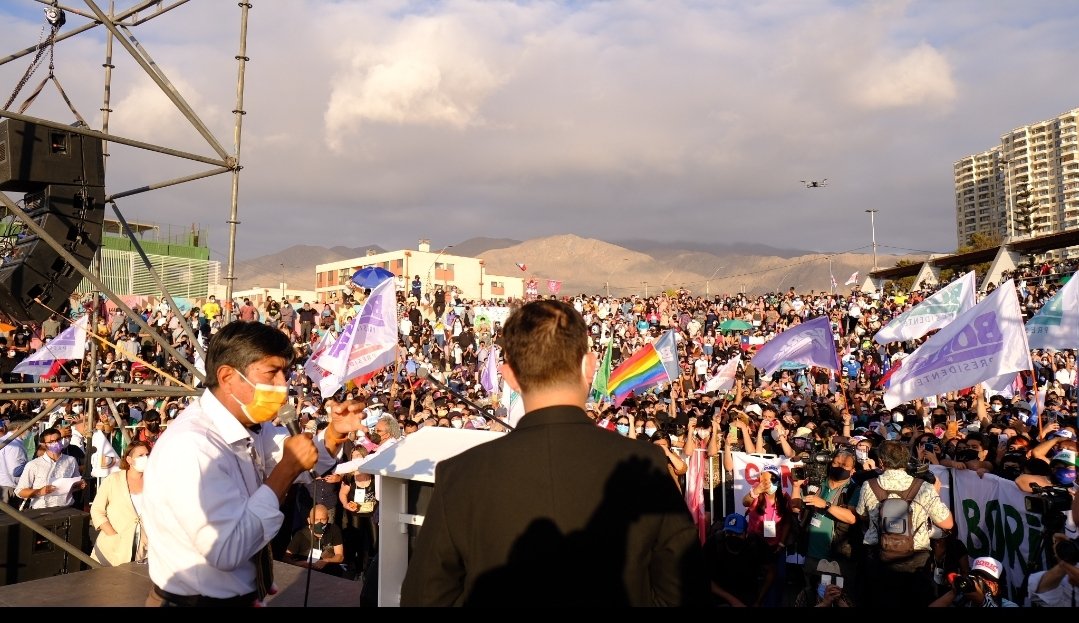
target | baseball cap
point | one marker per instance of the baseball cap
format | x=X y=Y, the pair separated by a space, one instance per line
x=735 y=524
x=1021 y=406
x=856 y=439
x=1064 y=432
x=988 y=566
x=773 y=469
x=1064 y=456
x=803 y=431
x=754 y=409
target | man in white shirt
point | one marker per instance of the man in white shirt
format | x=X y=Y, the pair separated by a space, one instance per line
x=12 y=461
x=219 y=474
x=41 y=481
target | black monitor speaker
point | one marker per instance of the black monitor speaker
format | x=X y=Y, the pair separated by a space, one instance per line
x=31 y=269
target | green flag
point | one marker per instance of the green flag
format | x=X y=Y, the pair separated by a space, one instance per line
x=603 y=373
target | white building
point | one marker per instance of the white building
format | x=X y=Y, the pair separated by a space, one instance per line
x=468 y=274
x=1028 y=185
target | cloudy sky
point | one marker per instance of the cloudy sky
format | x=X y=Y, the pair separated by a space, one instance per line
x=381 y=122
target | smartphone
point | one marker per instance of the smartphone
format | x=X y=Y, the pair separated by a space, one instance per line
x=898 y=418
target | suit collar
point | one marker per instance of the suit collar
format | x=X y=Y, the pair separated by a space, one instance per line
x=559 y=414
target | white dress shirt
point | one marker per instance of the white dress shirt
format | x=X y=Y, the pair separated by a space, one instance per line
x=12 y=460
x=207 y=510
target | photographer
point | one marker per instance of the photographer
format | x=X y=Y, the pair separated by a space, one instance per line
x=826 y=518
x=979 y=589
x=1057 y=586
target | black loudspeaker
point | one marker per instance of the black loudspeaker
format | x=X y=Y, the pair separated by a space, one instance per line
x=26 y=555
x=73 y=216
x=34 y=156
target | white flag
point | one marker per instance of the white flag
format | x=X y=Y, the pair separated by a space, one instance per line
x=932 y=313
x=328 y=383
x=724 y=378
x=853 y=279
x=513 y=404
x=1056 y=325
x=369 y=342
x=69 y=344
x=984 y=342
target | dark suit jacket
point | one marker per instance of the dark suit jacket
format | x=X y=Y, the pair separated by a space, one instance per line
x=558 y=512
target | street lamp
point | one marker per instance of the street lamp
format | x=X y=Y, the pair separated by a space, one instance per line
x=707 y=282
x=432 y=266
x=607 y=279
x=873 y=231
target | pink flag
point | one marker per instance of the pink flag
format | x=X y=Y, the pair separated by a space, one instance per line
x=698 y=465
x=521 y=265
x=834 y=284
x=853 y=279
x=553 y=286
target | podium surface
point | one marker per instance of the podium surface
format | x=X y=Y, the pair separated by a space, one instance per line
x=409 y=461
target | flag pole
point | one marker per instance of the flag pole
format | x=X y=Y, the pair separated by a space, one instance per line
x=1034 y=384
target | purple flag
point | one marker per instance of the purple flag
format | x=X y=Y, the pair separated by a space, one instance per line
x=811 y=342
x=489 y=378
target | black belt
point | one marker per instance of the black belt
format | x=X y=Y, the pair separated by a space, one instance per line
x=201 y=601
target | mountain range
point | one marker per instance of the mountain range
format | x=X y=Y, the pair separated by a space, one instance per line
x=588 y=265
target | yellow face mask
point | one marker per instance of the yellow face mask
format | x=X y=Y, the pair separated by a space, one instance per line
x=266 y=403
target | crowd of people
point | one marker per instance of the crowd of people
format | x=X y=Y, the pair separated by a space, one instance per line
x=829 y=518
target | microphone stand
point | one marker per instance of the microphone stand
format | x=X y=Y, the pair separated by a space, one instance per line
x=425 y=373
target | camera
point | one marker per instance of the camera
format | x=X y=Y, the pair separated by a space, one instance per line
x=921 y=471
x=965 y=584
x=1048 y=499
x=1068 y=551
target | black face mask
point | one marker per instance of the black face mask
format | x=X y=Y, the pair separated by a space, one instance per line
x=838 y=473
x=966 y=455
x=1011 y=472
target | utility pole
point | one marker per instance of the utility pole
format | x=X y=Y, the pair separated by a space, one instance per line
x=873 y=232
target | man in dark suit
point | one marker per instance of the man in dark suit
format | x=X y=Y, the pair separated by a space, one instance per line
x=558 y=512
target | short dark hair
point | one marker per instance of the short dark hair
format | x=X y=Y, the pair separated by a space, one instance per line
x=241 y=343
x=543 y=343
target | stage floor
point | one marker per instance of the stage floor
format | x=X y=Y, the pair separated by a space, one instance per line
x=128 y=585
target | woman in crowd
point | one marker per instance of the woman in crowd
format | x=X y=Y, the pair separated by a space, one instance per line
x=770 y=520
x=117 y=510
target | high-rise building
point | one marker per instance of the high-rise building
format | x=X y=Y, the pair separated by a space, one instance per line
x=1028 y=185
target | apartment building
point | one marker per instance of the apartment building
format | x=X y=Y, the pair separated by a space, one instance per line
x=1027 y=185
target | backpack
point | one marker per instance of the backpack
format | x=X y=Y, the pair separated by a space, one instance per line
x=895 y=521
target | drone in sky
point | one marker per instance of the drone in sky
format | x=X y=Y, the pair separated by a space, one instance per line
x=815 y=183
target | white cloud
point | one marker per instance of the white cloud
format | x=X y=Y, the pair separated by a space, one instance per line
x=919 y=77
x=428 y=74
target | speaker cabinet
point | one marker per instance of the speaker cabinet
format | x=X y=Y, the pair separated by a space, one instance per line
x=32 y=269
x=26 y=555
x=33 y=157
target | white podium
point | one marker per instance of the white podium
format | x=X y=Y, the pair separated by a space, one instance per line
x=407 y=469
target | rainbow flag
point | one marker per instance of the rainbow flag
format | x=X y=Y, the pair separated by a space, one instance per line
x=654 y=364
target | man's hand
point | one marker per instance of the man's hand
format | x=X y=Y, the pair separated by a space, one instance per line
x=301 y=452
x=346 y=417
x=831 y=594
x=815 y=501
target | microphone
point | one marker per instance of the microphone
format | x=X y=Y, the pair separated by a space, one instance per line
x=425 y=373
x=289 y=419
